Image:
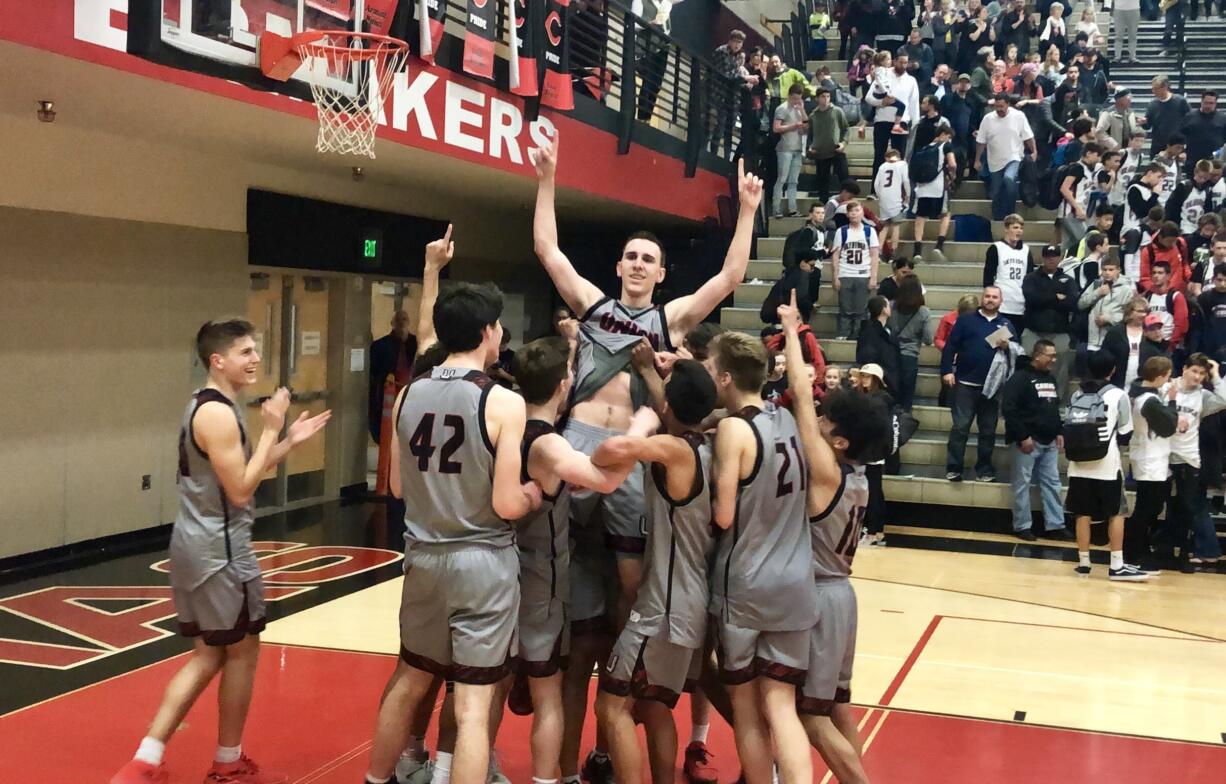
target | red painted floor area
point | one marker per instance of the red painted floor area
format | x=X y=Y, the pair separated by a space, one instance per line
x=314 y=712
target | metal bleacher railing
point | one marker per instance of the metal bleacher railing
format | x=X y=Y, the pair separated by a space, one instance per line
x=647 y=78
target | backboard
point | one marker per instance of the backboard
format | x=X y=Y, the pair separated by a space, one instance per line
x=222 y=37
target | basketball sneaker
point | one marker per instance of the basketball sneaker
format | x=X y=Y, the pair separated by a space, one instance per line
x=245 y=771
x=407 y=767
x=697 y=768
x=141 y=772
x=1082 y=571
x=597 y=768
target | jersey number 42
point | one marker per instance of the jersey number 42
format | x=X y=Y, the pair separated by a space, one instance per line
x=422 y=443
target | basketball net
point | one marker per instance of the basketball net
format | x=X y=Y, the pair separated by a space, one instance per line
x=350 y=73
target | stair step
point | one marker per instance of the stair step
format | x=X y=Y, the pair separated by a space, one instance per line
x=967 y=276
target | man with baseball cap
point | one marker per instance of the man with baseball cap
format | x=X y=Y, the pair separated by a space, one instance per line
x=1115 y=125
x=1051 y=302
x=958 y=106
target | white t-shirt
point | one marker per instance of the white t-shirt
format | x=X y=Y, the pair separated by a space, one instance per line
x=891 y=185
x=1004 y=137
x=1119 y=422
x=853 y=254
x=1191 y=405
x=1149 y=455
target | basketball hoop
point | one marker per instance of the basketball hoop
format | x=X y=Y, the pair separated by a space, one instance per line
x=350 y=77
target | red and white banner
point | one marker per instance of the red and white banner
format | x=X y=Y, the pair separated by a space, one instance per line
x=524 y=79
x=379 y=15
x=479 y=33
x=431 y=19
x=557 y=91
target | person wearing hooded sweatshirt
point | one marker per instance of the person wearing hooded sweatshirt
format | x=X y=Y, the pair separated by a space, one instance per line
x=1051 y=300
x=1105 y=300
x=878 y=345
x=1155 y=419
x=1031 y=407
x=1188 y=526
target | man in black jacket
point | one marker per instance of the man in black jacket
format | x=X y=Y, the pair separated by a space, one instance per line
x=391 y=355
x=1051 y=302
x=1032 y=422
x=877 y=345
x=1205 y=130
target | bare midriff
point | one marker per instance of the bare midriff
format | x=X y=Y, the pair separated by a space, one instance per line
x=609 y=408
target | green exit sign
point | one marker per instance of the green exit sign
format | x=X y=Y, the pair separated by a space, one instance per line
x=370 y=247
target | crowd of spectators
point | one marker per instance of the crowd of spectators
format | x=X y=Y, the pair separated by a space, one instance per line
x=1125 y=290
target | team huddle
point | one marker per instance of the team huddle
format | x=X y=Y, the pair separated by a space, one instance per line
x=636 y=508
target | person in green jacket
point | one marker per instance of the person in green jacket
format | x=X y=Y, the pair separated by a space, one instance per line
x=819 y=22
x=781 y=77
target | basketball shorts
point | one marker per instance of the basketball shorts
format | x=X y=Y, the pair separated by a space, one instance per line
x=931 y=207
x=593 y=583
x=650 y=668
x=745 y=654
x=224 y=608
x=1097 y=499
x=893 y=212
x=623 y=511
x=544 y=638
x=832 y=649
x=458 y=611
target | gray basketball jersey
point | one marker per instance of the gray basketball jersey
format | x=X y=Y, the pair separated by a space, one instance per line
x=447 y=461
x=608 y=333
x=835 y=532
x=544 y=536
x=209 y=532
x=672 y=601
x=763 y=575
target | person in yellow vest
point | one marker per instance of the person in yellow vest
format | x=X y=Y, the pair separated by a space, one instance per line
x=819 y=22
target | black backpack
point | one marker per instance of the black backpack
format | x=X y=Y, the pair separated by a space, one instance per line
x=1051 y=196
x=1086 y=435
x=926 y=163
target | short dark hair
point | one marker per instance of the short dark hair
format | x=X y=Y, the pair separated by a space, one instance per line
x=1156 y=214
x=743 y=358
x=876 y=306
x=1176 y=138
x=1206 y=93
x=1110 y=261
x=540 y=367
x=1001 y=96
x=904 y=262
x=796 y=89
x=463 y=312
x=1104 y=209
x=1101 y=365
x=690 y=392
x=1161 y=264
x=1091 y=147
x=1042 y=344
x=1095 y=241
x=1109 y=154
x=216 y=337
x=1199 y=360
x=1168 y=229
x=1219 y=269
x=698 y=340
x=645 y=235
x=1082 y=126
x=738 y=35
x=853 y=187
x=429 y=359
x=864 y=420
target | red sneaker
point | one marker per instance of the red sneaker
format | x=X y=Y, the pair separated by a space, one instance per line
x=139 y=772
x=697 y=768
x=245 y=771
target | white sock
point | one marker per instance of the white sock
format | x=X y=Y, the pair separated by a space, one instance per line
x=151 y=751
x=1083 y=559
x=535 y=780
x=226 y=754
x=442 y=769
x=1117 y=559
x=698 y=733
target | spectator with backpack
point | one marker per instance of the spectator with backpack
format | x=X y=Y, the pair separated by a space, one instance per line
x=808 y=242
x=1077 y=180
x=1099 y=421
x=959 y=108
x=1030 y=404
x=934 y=168
x=1168 y=304
x=1167 y=246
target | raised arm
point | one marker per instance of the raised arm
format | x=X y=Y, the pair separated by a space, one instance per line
x=505 y=419
x=216 y=429
x=438 y=255
x=578 y=292
x=670 y=451
x=824 y=471
x=684 y=313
